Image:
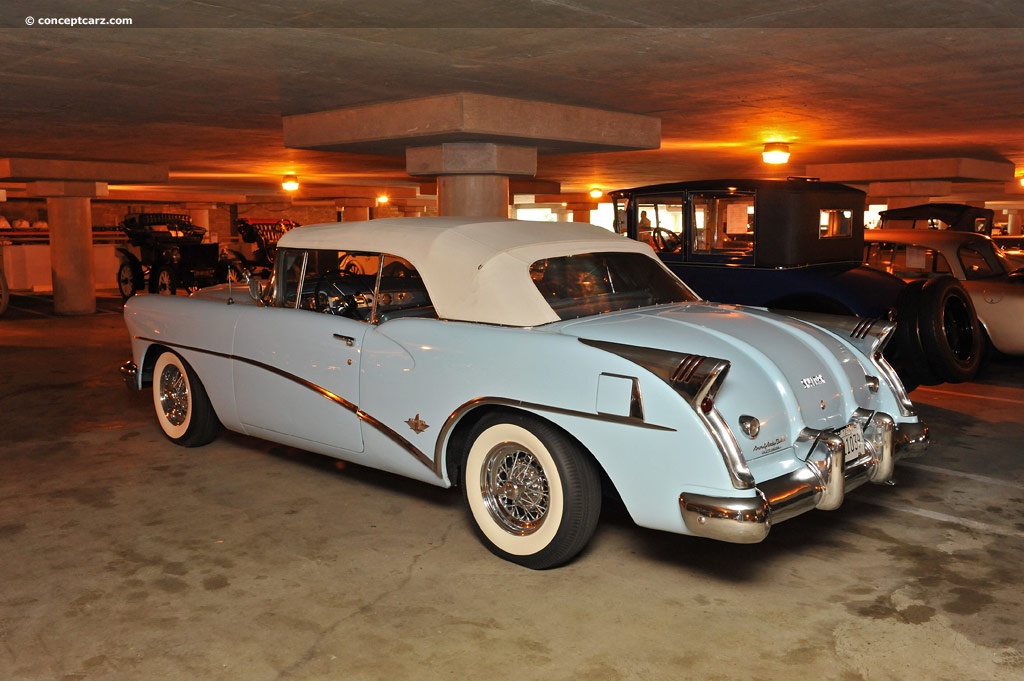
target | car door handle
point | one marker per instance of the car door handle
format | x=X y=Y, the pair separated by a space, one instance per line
x=349 y=340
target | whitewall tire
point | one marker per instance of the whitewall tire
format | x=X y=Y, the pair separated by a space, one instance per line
x=533 y=495
x=183 y=408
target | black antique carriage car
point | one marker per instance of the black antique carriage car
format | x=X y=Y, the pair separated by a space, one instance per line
x=168 y=253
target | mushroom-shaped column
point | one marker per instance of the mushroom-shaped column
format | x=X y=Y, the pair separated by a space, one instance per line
x=472 y=143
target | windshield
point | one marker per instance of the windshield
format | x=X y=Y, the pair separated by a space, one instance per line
x=595 y=283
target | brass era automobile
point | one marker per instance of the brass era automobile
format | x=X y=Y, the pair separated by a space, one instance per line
x=263 y=235
x=170 y=255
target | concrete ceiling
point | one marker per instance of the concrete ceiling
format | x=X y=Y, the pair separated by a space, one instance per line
x=202 y=87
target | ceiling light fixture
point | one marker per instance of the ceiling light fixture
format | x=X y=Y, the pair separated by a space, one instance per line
x=290 y=182
x=596 y=193
x=775 y=153
x=382 y=199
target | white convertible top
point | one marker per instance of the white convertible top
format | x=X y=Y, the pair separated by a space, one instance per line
x=475 y=269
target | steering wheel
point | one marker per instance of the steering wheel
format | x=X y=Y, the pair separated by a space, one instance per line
x=324 y=302
x=665 y=239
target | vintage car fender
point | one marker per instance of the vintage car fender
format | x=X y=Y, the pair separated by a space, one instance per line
x=1000 y=307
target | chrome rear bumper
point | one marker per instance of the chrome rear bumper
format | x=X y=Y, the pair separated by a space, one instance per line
x=821 y=482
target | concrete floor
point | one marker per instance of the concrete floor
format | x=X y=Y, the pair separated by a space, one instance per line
x=126 y=557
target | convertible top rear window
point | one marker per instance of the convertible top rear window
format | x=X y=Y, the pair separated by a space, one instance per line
x=595 y=283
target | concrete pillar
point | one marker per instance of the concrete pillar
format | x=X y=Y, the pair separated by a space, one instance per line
x=356 y=214
x=472 y=177
x=483 y=195
x=68 y=187
x=581 y=211
x=1013 y=221
x=354 y=209
x=74 y=278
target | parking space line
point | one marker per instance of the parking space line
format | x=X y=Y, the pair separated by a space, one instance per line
x=946 y=518
x=960 y=474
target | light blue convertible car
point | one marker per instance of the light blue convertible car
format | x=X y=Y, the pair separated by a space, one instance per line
x=536 y=366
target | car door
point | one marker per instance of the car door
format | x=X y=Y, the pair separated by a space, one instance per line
x=296 y=369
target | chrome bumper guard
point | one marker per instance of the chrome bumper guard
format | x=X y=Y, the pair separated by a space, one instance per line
x=129 y=374
x=822 y=482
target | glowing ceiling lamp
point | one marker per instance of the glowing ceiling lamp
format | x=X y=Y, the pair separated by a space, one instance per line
x=290 y=183
x=775 y=153
x=596 y=193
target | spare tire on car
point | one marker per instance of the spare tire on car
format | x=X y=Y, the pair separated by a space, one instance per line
x=950 y=332
x=938 y=337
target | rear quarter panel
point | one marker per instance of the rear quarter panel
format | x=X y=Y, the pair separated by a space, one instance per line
x=430 y=371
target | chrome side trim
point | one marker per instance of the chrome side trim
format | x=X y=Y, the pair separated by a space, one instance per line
x=456 y=416
x=409 y=447
x=895 y=384
x=729 y=448
x=366 y=418
x=855 y=328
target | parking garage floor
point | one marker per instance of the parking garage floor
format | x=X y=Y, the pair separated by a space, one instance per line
x=125 y=557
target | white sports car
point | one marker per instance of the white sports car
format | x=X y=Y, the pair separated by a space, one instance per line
x=534 y=365
x=993 y=280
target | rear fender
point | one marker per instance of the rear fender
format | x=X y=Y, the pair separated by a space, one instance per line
x=869 y=336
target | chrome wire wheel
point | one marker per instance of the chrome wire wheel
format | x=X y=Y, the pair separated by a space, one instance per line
x=532 y=493
x=514 y=488
x=173 y=395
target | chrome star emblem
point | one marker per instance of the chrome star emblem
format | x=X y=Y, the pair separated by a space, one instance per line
x=417 y=424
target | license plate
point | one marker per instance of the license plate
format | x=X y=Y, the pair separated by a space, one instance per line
x=853 y=439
